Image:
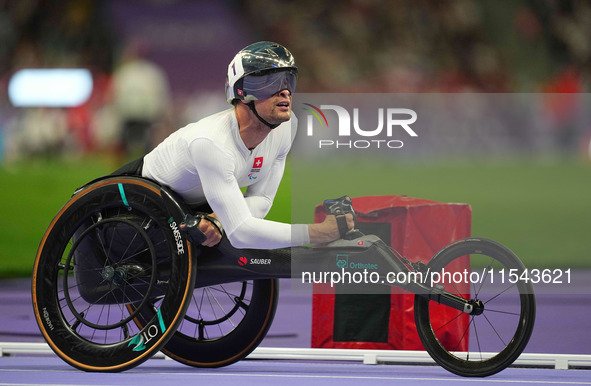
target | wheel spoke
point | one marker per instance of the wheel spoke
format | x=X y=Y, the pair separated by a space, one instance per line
x=454 y=318
x=487 y=270
x=494 y=329
x=503 y=312
x=500 y=293
x=477 y=339
x=462 y=337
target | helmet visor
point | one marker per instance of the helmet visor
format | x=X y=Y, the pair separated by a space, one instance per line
x=258 y=87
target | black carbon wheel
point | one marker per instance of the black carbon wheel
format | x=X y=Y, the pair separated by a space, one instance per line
x=112 y=251
x=485 y=342
x=224 y=323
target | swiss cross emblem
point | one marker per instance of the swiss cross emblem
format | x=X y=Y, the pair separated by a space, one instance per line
x=258 y=163
x=256 y=167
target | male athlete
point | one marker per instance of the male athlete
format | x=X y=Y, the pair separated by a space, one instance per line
x=207 y=162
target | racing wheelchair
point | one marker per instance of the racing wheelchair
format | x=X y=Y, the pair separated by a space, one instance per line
x=119 y=275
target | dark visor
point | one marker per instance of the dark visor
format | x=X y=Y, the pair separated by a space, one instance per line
x=265 y=86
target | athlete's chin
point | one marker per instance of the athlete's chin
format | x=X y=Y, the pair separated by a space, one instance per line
x=282 y=116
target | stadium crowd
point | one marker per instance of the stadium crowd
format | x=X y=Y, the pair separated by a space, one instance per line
x=347 y=46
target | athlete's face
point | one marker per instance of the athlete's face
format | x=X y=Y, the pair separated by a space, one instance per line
x=276 y=109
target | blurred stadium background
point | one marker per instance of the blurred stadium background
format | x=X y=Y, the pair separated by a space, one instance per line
x=157 y=65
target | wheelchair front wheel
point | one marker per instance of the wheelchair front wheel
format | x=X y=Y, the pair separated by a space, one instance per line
x=485 y=342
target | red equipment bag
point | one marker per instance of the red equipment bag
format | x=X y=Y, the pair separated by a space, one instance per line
x=417 y=228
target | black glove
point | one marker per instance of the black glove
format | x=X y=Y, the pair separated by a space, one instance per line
x=340 y=207
x=190 y=226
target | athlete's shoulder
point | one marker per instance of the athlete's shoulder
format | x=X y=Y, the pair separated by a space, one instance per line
x=213 y=127
x=223 y=116
x=220 y=120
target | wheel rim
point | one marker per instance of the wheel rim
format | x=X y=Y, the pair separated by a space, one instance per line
x=487 y=341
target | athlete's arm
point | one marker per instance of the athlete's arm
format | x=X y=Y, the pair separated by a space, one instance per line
x=215 y=168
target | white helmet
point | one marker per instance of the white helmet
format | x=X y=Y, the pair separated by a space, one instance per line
x=259 y=71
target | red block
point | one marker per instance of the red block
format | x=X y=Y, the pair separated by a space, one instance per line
x=418 y=229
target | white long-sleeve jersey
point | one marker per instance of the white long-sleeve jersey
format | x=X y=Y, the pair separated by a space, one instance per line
x=207 y=161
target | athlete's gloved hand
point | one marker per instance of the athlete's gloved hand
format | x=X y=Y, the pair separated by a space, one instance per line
x=203 y=229
x=212 y=228
x=342 y=209
x=339 y=206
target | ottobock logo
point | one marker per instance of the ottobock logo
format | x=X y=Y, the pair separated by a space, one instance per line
x=140 y=341
x=391 y=122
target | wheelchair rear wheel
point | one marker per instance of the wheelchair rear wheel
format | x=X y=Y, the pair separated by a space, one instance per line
x=111 y=252
x=223 y=323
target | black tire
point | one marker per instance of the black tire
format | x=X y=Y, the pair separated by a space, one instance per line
x=224 y=323
x=484 y=344
x=113 y=245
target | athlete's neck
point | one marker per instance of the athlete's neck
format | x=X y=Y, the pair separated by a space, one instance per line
x=252 y=130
